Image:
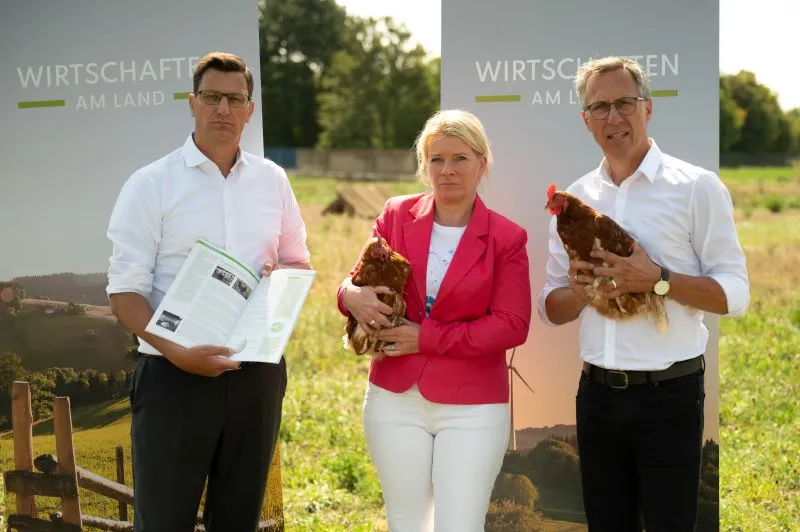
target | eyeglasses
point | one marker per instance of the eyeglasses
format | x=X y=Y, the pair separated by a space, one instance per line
x=625 y=106
x=235 y=99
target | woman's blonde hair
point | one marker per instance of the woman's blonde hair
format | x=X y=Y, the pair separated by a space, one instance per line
x=457 y=123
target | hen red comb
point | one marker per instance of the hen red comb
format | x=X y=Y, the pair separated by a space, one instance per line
x=551 y=190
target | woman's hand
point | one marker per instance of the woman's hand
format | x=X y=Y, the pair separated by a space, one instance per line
x=579 y=275
x=363 y=303
x=404 y=339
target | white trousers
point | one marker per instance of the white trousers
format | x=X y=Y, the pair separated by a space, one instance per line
x=436 y=463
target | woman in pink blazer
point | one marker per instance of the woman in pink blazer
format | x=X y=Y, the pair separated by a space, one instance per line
x=435 y=414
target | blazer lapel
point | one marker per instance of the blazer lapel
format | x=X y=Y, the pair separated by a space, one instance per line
x=417 y=239
x=470 y=248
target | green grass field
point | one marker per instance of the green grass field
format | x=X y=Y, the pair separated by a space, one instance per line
x=332 y=491
x=776 y=189
x=760 y=384
x=767 y=173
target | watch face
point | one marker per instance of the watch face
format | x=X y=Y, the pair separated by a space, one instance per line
x=661 y=287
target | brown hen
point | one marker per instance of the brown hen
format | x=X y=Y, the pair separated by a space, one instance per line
x=582 y=229
x=378 y=265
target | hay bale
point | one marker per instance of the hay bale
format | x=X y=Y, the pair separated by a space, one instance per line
x=363 y=201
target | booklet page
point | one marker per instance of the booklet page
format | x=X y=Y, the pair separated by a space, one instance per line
x=206 y=299
x=264 y=329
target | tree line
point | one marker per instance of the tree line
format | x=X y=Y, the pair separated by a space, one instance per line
x=333 y=80
x=88 y=289
x=82 y=387
x=751 y=120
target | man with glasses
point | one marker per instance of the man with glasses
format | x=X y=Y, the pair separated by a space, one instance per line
x=197 y=414
x=639 y=405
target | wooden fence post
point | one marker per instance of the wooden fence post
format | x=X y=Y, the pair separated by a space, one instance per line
x=123 y=508
x=22 y=426
x=65 y=451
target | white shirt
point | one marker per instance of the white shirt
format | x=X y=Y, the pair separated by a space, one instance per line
x=164 y=207
x=444 y=241
x=682 y=216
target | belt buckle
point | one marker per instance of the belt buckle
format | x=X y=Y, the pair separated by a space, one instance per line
x=615 y=387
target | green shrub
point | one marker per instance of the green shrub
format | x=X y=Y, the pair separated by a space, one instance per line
x=775 y=203
x=515 y=488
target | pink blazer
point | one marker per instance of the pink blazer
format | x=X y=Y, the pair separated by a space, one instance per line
x=482 y=309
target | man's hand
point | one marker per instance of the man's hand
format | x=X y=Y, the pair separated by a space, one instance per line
x=205 y=360
x=269 y=268
x=404 y=339
x=134 y=312
x=634 y=274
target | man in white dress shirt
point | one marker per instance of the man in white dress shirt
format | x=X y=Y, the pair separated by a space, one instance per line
x=639 y=405
x=198 y=415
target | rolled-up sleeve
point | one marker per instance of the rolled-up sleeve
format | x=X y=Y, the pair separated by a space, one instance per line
x=292 y=247
x=716 y=242
x=556 y=271
x=135 y=231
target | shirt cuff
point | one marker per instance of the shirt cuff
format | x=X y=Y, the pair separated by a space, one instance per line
x=134 y=280
x=737 y=292
x=339 y=298
x=542 y=308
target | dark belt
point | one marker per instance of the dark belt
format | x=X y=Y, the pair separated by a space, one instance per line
x=620 y=380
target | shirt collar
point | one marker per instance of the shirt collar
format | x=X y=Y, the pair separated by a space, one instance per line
x=194 y=157
x=648 y=167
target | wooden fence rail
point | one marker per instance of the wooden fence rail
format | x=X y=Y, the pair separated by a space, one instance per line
x=59 y=476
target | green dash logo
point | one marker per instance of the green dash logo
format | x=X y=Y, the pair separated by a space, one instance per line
x=499 y=98
x=41 y=103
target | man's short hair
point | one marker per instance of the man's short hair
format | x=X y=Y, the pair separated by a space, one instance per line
x=609 y=64
x=224 y=62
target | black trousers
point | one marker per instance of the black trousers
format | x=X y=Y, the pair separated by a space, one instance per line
x=187 y=429
x=640 y=454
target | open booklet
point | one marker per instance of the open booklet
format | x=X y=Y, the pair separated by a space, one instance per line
x=215 y=299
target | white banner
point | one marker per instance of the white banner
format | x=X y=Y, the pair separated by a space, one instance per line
x=93 y=90
x=513 y=64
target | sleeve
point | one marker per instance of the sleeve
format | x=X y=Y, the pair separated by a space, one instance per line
x=135 y=232
x=378 y=229
x=508 y=321
x=292 y=247
x=556 y=271
x=716 y=243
